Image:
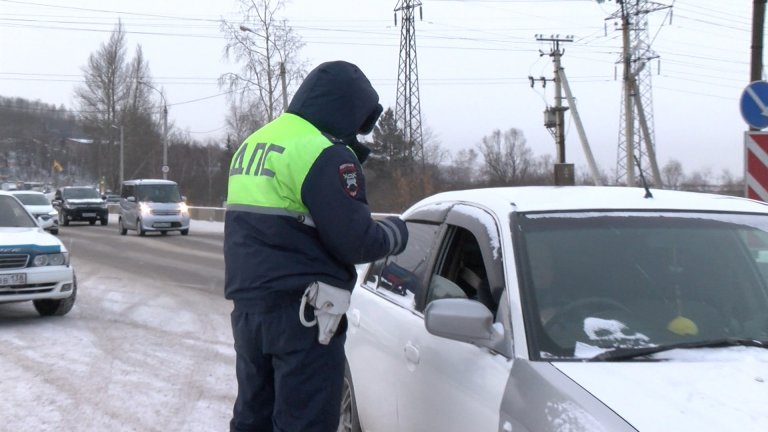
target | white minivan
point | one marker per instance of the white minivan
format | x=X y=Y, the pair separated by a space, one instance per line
x=151 y=205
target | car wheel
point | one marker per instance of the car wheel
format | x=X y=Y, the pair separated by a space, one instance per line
x=59 y=307
x=164 y=232
x=104 y=221
x=348 y=420
x=184 y=231
x=92 y=222
x=120 y=228
x=54 y=231
x=139 y=229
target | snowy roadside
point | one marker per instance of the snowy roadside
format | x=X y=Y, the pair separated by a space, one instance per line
x=131 y=356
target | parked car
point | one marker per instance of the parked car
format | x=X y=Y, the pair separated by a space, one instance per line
x=112 y=198
x=42 y=210
x=151 y=205
x=80 y=203
x=34 y=265
x=565 y=308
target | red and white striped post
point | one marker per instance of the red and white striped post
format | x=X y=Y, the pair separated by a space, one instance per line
x=756 y=165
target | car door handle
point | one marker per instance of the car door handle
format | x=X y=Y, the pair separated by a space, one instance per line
x=354 y=317
x=411 y=353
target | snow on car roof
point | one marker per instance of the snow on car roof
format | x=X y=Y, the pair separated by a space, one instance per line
x=566 y=198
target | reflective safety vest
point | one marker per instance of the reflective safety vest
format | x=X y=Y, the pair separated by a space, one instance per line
x=268 y=170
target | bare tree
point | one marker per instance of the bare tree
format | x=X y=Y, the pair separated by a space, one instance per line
x=243 y=117
x=104 y=92
x=267 y=49
x=434 y=154
x=672 y=174
x=507 y=157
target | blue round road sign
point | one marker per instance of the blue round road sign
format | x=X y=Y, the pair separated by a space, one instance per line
x=754 y=104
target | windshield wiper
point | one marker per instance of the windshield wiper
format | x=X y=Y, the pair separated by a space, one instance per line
x=630 y=353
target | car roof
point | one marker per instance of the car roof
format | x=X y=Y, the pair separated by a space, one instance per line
x=22 y=192
x=148 y=181
x=579 y=198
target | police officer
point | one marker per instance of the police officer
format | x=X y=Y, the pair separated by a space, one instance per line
x=297 y=214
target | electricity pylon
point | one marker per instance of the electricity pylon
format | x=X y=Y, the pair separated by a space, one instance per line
x=636 y=121
x=408 y=107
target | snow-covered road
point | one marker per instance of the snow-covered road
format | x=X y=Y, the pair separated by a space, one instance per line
x=131 y=356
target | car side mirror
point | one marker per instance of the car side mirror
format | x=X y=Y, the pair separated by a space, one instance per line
x=463 y=320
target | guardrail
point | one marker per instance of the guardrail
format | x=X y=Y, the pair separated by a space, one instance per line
x=211 y=214
x=216 y=214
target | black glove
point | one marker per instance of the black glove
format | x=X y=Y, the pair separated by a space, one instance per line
x=397 y=233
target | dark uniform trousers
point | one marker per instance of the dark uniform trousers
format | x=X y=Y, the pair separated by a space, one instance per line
x=287 y=380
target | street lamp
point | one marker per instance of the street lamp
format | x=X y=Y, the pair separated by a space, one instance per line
x=269 y=72
x=122 y=149
x=165 y=168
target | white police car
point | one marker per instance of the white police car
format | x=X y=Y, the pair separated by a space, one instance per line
x=34 y=265
x=565 y=308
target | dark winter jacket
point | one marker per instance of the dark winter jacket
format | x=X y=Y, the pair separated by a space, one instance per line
x=296 y=207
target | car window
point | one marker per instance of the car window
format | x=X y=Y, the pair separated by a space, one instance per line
x=603 y=281
x=81 y=193
x=33 y=199
x=13 y=214
x=127 y=191
x=161 y=193
x=461 y=273
x=400 y=277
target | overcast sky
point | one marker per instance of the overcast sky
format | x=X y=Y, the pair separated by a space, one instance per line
x=474 y=57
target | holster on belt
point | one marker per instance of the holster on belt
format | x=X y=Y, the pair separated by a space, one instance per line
x=330 y=303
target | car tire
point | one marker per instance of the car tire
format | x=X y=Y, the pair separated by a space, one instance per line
x=59 y=307
x=104 y=222
x=163 y=232
x=139 y=229
x=184 y=231
x=120 y=228
x=348 y=419
x=92 y=222
x=54 y=231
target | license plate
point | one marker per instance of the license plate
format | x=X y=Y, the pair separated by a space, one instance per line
x=162 y=224
x=13 y=279
x=89 y=214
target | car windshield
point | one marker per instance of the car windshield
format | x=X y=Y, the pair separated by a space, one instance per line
x=13 y=214
x=81 y=193
x=33 y=199
x=598 y=281
x=161 y=193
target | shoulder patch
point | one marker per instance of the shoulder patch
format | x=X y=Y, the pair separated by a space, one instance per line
x=348 y=177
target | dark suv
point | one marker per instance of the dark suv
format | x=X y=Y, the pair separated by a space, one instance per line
x=80 y=203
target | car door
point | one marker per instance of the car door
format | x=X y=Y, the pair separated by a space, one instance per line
x=128 y=209
x=449 y=385
x=381 y=312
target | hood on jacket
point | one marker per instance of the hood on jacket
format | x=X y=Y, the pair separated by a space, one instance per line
x=337 y=98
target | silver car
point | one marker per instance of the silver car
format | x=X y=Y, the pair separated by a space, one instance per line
x=152 y=205
x=565 y=309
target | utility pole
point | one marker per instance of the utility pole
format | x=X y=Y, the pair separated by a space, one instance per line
x=165 y=167
x=758 y=23
x=284 y=86
x=564 y=174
